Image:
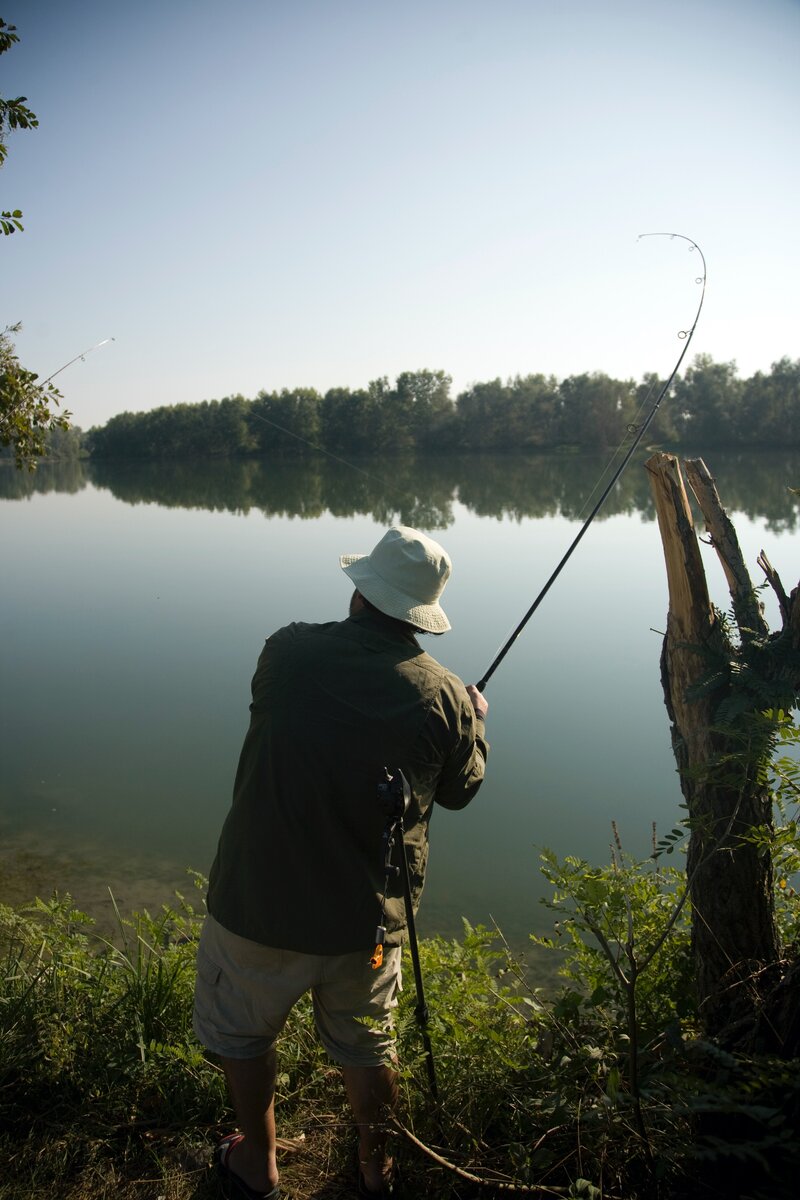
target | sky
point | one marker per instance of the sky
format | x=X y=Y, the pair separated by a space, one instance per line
x=273 y=194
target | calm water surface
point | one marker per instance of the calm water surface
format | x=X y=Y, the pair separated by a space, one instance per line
x=135 y=602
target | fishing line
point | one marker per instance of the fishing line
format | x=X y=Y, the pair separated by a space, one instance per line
x=410 y=497
x=321 y=449
x=632 y=428
x=685 y=336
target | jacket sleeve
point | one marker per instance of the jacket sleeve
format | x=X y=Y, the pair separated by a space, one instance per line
x=465 y=747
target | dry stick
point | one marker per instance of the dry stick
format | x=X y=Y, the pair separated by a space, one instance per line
x=522 y=1189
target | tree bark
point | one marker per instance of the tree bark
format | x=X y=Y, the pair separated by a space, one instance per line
x=734 y=940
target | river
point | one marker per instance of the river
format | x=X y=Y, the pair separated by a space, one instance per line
x=135 y=600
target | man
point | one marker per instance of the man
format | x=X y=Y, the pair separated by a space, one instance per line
x=296 y=890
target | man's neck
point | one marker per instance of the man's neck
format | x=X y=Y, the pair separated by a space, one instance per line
x=373 y=616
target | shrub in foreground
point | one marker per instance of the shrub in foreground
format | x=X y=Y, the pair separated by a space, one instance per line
x=601 y=1089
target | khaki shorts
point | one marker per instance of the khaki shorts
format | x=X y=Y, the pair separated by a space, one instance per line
x=244 y=993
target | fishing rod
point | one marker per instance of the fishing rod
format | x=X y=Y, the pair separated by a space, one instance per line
x=394 y=796
x=686 y=336
x=81 y=356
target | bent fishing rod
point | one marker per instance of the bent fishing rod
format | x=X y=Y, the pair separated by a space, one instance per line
x=81 y=357
x=686 y=336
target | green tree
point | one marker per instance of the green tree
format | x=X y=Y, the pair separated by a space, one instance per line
x=423 y=400
x=707 y=400
x=27 y=407
x=390 y=412
x=482 y=411
x=595 y=409
x=346 y=419
x=286 y=422
x=769 y=408
x=532 y=411
x=521 y=414
x=663 y=430
x=229 y=431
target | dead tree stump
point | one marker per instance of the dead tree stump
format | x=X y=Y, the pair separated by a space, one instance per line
x=736 y=956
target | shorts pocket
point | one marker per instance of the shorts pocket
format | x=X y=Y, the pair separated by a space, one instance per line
x=208 y=972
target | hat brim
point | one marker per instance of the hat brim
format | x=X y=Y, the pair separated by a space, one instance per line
x=429 y=617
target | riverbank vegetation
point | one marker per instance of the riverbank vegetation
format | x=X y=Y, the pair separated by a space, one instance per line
x=599 y=1089
x=709 y=404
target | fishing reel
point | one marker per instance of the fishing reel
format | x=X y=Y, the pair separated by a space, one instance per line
x=394 y=797
x=394 y=793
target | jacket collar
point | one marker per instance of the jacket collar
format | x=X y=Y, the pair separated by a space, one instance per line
x=385 y=627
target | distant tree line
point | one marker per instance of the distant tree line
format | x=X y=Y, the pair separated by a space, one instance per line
x=708 y=406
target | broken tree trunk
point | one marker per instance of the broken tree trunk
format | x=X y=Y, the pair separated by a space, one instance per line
x=722 y=765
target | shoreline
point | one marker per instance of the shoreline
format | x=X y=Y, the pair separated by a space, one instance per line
x=28 y=874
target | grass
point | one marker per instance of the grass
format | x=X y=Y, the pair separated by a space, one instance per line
x=104 y=1092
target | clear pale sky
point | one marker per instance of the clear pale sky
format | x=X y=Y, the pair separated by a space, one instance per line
x=282 y=193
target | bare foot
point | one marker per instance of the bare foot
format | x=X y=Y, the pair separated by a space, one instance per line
x=250 y=1165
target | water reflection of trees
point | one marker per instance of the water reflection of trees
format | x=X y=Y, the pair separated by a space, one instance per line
x=418 y=490
x=549 y=485
x=403 y=490
x=758 y=486
x=414 y=490
x=66 y=476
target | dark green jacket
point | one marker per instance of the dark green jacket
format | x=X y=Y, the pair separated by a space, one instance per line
x=300 y=860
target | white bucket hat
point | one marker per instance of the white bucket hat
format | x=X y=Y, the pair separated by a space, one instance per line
x=404 y=577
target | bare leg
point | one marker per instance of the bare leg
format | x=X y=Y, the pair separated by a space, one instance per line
x=251 y=1083
x=372 y=1092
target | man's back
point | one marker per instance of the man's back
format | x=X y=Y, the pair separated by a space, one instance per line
x=300 y=860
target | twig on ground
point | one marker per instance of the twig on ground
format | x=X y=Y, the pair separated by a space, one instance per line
x=511 y=1188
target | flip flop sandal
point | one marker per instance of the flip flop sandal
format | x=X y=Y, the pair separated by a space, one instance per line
x=233 y=1186
x=385 y=1193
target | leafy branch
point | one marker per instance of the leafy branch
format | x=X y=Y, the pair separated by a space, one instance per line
x=14 y=114
x=27 y=408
